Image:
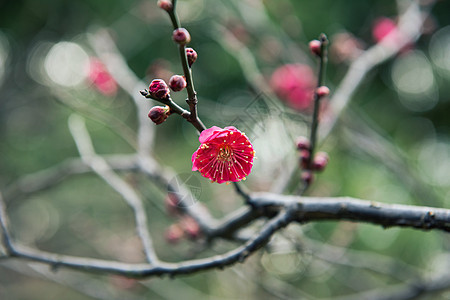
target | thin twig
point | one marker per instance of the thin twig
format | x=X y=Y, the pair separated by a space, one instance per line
x=86 y=285
x=320 y=82
x=50 y=177
x=374 y=262
x=105 y=48
x=99 y=166
x=241 y=192
x=6 y=239
x=323 y=56
x=192 y=94
x=360 y=135
x=406 y=291
x=408 y=30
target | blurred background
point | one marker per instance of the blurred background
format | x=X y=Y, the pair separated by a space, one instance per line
x=254 y=71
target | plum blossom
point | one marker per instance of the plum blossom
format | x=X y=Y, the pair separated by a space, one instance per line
x=224 y=155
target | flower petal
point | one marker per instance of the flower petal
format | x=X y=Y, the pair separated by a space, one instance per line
x=206 y=134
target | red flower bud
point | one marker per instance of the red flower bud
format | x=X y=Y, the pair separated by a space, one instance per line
x=166 y=5
x=304 y=159
x=177 y=83
x=173 y=234
x=181 y=36
x=158 y=114
x=303 y=143
x=191 y=56
x=314 y=47
x=158 y=89
x=307 y=177
x=322 y=91
x=190 y=227
x=320 y=161
x=171 y=203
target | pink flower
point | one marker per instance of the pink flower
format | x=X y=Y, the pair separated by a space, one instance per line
x=101 y=78
x=224 y=155
x=294 y=83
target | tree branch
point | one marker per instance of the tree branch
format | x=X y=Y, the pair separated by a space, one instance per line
x=158 y=268
x=347 y=208
x=408 y=31
x=99 y=166
x=105 y=48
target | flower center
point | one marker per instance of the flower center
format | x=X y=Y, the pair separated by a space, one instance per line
x=225 y=153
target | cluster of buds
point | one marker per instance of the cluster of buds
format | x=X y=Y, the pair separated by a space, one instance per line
x=187 y=227
x=309 y=165
x=158 y=88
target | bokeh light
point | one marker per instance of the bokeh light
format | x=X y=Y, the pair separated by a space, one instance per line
x=434 y=162
x=413 y=78
x=67 y=64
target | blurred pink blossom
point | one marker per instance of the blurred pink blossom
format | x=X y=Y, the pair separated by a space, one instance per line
x=101 y=78
x=294 y=83
x=385 y=28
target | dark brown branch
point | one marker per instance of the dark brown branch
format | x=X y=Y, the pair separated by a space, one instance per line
x=346 y=208
x=159 y=268
x=301 y=209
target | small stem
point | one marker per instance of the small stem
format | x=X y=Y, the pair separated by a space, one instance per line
x=315 y=121
x=192 y=95
x=241 y=192
x=173 y=15
x=175 y=108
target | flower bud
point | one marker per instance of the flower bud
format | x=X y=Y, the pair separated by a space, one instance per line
x=320 y=161
x=171 y=204
x=177 y=83
x=322 y=91
x=304 y=159
x=181 y=36
x=173 y=234
x=190 y=227
x=158 y=114
x=307 y=177
x=314 y=47
x=158 y=89
x=166 y=5
x=303 y=143
x=191 y=56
